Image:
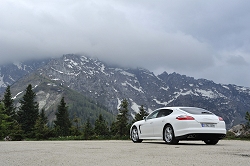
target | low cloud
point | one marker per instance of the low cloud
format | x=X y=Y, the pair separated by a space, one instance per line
x=175 y=36
x=237 y=61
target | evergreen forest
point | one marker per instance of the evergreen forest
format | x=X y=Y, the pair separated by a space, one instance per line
x=29 y=122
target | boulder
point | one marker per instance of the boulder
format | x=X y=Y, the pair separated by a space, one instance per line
x=240 y=130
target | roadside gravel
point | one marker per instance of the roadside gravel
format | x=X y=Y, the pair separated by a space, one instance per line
x=123 y=153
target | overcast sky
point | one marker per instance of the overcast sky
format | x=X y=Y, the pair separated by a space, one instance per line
x=201 y=39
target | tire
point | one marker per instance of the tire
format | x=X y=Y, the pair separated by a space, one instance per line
x=211 y=141
x=168 y=135
x=135 y=135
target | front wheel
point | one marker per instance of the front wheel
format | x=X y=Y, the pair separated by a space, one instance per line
x=211 y=141
x=168 y=135
x=135 y=136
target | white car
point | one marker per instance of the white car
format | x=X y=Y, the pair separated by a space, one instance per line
x=173 y=124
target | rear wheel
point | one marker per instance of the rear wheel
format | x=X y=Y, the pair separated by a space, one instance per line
x=135 y=136
x=211 y=141
x=168 y=135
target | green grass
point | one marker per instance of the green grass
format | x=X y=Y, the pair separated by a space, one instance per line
x=231 y=136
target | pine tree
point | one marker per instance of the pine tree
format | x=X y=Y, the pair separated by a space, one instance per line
x=121 y=125
x=75 y=128
x=41 y=130
x=87 y=130
x=101 y=128
x=43 y=117
x=113 y=129
x=9 y=104
x=62 y=122
x=14 y=129
x=140 y=115
x=247 y=117
x=16 y=133
x=4 y=122
x=28 y=112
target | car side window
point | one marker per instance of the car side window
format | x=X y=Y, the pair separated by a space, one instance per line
x=164 y=112
x=153 y=115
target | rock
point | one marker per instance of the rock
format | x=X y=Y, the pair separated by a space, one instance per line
x=240 y=130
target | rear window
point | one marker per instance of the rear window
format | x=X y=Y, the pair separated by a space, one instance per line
x=196 y=111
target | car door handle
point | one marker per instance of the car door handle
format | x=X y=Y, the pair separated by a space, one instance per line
x=151 y=122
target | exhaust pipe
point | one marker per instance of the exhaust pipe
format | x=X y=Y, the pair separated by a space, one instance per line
x=191 y=136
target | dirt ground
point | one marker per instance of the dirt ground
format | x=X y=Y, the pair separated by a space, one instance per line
x=123 y=153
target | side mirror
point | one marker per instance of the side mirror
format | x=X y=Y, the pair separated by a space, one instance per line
x=144 y=118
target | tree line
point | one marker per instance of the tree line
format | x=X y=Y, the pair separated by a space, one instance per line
x=28 y=122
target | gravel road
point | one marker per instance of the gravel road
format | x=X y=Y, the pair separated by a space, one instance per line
x=123 y=153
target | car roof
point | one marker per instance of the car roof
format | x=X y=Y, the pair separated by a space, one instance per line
x=176 y=107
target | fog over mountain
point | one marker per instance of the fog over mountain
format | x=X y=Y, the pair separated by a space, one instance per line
x=202 y=39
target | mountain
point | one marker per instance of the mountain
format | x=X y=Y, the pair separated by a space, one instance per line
x=12 y=72
x=49 y=94
x=108 y=85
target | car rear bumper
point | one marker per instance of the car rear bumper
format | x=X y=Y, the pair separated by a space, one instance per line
x=200 y=133
x=200 y=136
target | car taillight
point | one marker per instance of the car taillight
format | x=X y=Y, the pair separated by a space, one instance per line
x=184 y=117
x=221 y=119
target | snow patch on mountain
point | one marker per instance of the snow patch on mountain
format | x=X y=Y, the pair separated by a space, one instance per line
x=189 y=92
x=166 y=89
x=224 y=86
x=18 y=65
x=135 y=106
x=161 y=103
x=102 y=68
x=127 y=73
x=243 y=89
x=135 y=88
x=2 y=84
x=57 y=70
x=17 y=95
x=119 y=103
x=209 y=93
x=11 y=78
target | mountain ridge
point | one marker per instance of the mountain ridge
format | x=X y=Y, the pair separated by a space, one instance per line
x=108 y=85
